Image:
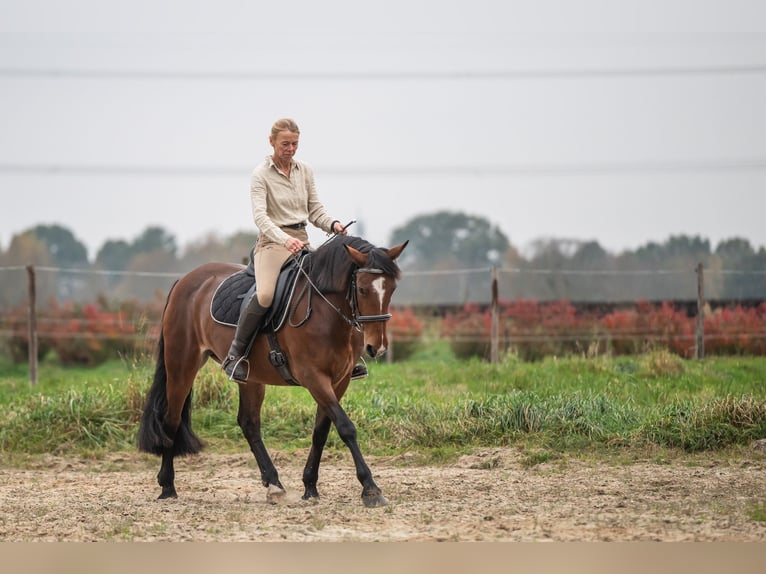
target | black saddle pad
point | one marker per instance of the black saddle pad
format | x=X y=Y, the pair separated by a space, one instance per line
x=228 y=298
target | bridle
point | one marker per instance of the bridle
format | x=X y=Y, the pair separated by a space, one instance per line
x=356 y=319
x=355 y=305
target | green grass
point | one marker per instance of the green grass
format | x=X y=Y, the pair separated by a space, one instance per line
x=757 y=512
x=432 y=405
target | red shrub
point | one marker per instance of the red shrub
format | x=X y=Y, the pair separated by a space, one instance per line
x=405 y=331
x=736 y=331
x=468 y=331
x=86 y=334
x=647 y=327
x=15 y=324
x=530 y=328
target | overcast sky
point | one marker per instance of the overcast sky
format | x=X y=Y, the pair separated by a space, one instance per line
x=616 y=121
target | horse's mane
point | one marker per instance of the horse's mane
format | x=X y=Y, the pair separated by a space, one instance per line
x=331 y=265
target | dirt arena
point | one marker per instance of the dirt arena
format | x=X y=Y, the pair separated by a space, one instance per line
x=488 y=496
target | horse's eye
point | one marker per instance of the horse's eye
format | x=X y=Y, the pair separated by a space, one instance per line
x=363 y=291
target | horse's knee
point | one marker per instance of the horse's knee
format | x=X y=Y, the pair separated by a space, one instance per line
x=346 y=430
x=251 y=427
x=320 y=433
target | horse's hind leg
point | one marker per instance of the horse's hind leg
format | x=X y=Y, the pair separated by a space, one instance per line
x=166 y=476
x=165 y=427
x=249 y=418
x=177 y=420
x=175 y=426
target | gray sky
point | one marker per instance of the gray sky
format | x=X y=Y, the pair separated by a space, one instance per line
x=622 y=122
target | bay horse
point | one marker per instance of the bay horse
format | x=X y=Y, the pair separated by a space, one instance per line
x=341 y=304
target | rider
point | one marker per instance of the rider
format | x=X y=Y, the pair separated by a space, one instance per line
x=284 y=199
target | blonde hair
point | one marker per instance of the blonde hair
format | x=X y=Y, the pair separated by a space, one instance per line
x=282 y=125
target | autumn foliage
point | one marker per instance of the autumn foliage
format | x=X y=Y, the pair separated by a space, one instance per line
x=536 y=329
x=83 y=334
x=88 y=334
x=405 y=333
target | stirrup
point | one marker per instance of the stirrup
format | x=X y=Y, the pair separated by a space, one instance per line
x=359 y=371
x=231 y=365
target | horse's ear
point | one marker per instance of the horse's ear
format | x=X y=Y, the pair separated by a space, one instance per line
x=395 y=252
x=357 y=256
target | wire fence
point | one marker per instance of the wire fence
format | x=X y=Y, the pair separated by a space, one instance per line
x=125 y=307
x=449 y=287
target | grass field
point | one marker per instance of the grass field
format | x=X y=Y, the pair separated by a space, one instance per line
x=433 y=405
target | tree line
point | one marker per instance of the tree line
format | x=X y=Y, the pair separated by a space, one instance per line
x=439 y=241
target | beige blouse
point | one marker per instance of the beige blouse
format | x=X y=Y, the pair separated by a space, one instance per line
x=278 y=200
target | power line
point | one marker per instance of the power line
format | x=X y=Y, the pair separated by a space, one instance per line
x=518 y=170
x=394 y=75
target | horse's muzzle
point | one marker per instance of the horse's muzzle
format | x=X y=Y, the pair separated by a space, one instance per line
x=373 y=351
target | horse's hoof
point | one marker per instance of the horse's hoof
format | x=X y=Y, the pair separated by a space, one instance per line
x=374 y=501
x=167 y=492
x=275 y=494
x=310 y=494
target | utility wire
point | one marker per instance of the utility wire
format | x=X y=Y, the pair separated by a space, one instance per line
x=415 y=75
x=519 y=170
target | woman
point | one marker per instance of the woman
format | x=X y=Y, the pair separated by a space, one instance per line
x=284 y=199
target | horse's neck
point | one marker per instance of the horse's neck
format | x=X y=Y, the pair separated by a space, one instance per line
x=329 y=305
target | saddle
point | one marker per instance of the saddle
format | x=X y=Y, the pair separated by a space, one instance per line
x=233 y=293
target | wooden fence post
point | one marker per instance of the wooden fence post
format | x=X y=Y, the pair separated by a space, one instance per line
x=699 y=339
x=494 y=342
x=32 y=325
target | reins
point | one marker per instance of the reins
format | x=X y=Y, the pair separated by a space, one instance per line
x=356 y=318
x=353 y=323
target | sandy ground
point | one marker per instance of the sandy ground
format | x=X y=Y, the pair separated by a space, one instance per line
x=488 y=496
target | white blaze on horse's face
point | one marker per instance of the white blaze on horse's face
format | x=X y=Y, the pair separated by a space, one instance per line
x=373 y=296
x=378 y=287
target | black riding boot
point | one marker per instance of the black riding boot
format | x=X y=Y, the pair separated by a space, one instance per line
x=236 y=364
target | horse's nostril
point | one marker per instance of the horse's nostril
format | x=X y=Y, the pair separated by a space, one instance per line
x=371 y=351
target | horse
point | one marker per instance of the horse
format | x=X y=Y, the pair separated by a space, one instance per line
x=339 y=308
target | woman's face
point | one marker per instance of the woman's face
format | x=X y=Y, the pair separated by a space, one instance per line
x=285 y=145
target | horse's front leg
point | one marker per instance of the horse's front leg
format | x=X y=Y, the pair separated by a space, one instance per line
x=328 y=402
x=249 y=418
x=322 y=425
x=371 y=494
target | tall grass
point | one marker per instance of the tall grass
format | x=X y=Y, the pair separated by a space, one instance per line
x=425 y=405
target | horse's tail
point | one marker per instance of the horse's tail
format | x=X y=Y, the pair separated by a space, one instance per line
x=152 y=436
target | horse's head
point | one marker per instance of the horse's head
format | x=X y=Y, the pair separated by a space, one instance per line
x=374 y=283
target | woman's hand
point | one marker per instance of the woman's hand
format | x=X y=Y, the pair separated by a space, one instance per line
x=294 y=245
x=338 y=228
